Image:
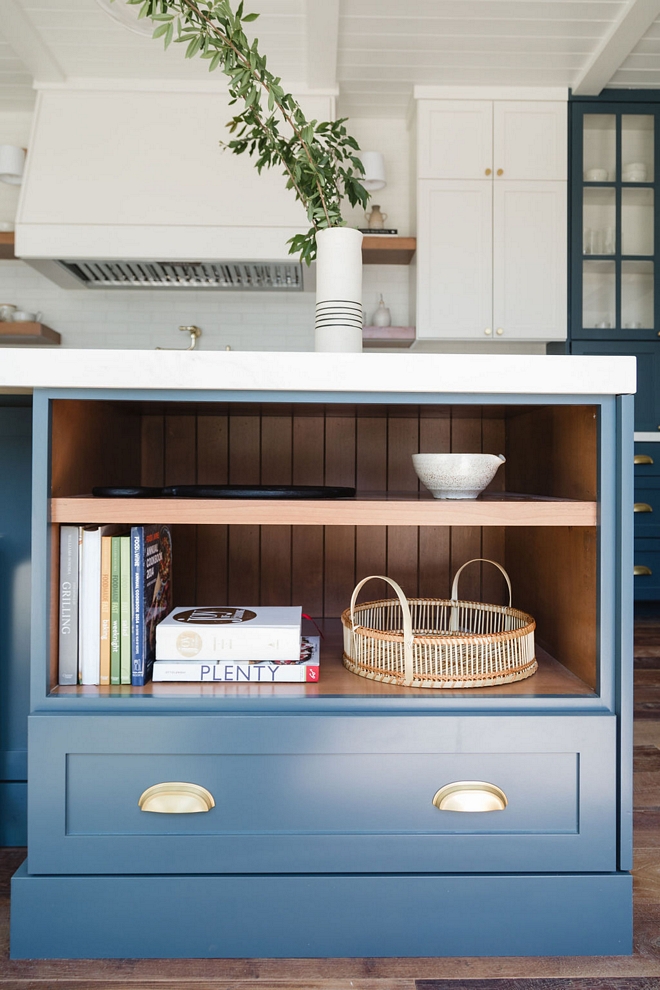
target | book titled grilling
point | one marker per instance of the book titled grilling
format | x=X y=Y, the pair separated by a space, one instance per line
x=305 y=669
x=230 y=634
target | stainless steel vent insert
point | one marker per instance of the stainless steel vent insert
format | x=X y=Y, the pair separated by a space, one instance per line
x=266 y=276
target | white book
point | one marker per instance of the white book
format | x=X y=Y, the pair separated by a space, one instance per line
x=90 y=606
x=306 y=669
x=230 y=633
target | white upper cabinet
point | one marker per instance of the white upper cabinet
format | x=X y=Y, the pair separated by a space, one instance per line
x=530 y=140
x=476 y=139
x=455 y=139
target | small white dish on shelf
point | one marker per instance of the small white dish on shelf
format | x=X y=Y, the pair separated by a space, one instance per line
x=456 y=475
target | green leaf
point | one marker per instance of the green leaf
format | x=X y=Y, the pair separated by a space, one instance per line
x=250 y=17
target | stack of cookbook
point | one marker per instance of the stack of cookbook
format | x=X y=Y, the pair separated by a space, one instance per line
x=239 y=644
x=115 y=586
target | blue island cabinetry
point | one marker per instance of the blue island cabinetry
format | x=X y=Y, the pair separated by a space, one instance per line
x=322 y=838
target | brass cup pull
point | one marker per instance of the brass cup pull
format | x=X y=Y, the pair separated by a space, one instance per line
x=642 y=507
x=643 y=459
x=640 y=570
x=470 y=796
x=176 y=797
x=500 y=171
x=488 y=171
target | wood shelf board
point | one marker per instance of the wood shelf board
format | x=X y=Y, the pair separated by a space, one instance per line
x=28 y=333
x=551 y=680
x=388 y=336
x=381 y=250
x=7 y=246
x=370 y=509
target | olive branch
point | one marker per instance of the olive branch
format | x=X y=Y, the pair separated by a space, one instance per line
x=318 y=158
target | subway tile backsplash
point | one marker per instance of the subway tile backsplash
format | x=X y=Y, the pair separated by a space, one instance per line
x=144 y=319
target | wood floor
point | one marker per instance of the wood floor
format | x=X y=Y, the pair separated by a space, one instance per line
x=641 y=971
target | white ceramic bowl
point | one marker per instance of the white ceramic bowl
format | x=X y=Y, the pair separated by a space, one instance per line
x=456 y=475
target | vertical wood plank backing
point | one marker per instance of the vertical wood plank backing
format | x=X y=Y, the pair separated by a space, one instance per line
x=93 y=443
x=371 y=476
x=554 y=577
x=552 y=450
x=434 y=546
x=466 y=437
x=493 y=586
x=340 y=454
x=212 y=469
x=307 y=568
x=276 y=469
x=307 y=565
x=275 y=572
x=181 y=469
x=243 y=565
x=402 y=541
x=152 y=470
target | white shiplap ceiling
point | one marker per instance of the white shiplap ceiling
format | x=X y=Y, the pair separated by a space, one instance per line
x=383 y=47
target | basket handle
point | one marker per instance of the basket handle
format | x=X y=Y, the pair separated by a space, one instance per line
x=407 y=622
x=453 y=618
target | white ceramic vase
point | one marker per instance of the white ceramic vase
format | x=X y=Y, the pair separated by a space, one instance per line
x=339 y=319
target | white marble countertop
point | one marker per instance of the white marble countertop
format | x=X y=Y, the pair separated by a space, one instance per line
x=22 y=370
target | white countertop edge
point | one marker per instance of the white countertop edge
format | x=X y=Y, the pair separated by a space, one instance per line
x=647 y=437
x=514 y=374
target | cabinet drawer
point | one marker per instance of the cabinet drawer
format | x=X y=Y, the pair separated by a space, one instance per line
x=297 y=794
x=647 y=555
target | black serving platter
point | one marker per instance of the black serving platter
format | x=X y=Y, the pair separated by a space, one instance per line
x=259 y=491
x=127 y=491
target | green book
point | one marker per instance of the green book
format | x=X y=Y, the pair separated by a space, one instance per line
x=125 y=611
x=115 y=618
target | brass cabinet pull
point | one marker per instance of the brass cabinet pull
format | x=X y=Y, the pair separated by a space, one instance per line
x=642 y=507
x=500 y=171
x=176 y=797
x=488 y=171
x=643 y=459
x=470 y=795
x=639 y=570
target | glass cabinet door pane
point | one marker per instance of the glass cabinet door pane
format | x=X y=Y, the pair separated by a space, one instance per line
x=599 y=147
x=598 y=294
x=637 y=295
x=637 y=221
x=599 y=219
x=637 y=140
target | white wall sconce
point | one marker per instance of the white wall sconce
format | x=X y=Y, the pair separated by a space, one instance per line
x=374 y=170
x=12 y=163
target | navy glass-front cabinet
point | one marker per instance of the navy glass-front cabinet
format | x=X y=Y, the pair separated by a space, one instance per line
x=614 y=290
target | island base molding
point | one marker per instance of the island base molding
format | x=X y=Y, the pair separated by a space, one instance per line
x=320 y=916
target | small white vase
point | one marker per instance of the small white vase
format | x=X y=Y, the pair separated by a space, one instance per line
x=339 y=290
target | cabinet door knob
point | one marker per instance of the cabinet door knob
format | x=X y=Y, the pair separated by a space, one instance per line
x=639 y=570
x=488 y=171
x=499 y=331
x=488 y=331
x=500 y=171
x=470 y=795
x=176 y=797
x=643 y=459
x=642 y=507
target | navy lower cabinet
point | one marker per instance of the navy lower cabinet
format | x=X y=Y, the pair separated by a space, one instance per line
x=306 y=819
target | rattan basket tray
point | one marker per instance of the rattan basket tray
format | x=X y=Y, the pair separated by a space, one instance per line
x=438 y=643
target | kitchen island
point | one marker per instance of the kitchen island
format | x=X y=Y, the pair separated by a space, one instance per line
x=324 y=839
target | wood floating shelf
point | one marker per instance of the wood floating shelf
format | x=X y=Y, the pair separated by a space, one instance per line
x=388 y=337
x=378 y=249
x=371 y=509
x=20 y=333
x=7 y=246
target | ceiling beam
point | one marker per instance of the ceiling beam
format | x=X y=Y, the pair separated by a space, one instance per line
x=322 y=37
x=23 y=38
x=614 y=48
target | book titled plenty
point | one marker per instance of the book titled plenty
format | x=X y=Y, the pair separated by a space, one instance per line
x=231 y=635
x=306 y=669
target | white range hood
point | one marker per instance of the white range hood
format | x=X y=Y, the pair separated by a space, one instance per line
x=129 y=187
